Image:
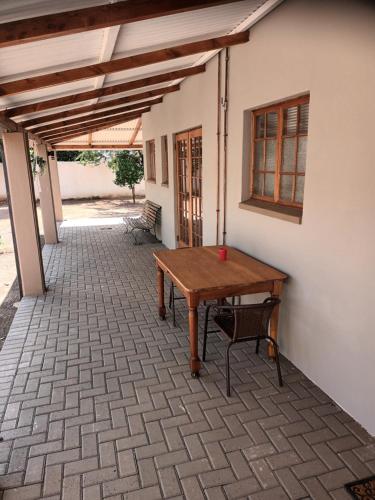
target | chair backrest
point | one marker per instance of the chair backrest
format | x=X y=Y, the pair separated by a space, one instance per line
x=151 y=212
x=253 y=319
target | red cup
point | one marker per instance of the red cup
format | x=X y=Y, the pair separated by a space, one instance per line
x=223 y=254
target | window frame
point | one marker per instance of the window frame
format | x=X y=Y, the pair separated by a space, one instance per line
x=164 y=160
x=279 y=108
x=151 y=160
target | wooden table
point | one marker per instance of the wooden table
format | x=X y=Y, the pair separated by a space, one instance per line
x=200 y=275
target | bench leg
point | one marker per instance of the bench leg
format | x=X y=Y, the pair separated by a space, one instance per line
x=132 y=232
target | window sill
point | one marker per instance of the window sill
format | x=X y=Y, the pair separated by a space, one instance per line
x=165 y=184
x=289 y=214
x=151 y=181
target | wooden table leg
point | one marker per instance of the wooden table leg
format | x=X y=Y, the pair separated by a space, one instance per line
x=195 y=362
x=277 y=288
x=160 y=279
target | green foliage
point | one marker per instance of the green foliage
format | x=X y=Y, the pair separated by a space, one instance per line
x=38 y=163
x=128 y=168
x=93 y=157
x=67 y=155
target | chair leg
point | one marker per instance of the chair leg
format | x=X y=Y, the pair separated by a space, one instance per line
x=170 y=295
x=257 y=346
x=205 y=331
x=228 y=369
x=277 y=359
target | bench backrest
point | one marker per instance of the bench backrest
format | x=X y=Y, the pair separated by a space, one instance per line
x=151 y=212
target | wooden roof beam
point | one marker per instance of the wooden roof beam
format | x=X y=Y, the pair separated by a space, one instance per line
x=106 y=91
x=101 y=105
x=97 y=17
x=123 y=64
x=135 y=132
x=79 y=119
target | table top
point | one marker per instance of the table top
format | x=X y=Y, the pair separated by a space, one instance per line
x=199 y=268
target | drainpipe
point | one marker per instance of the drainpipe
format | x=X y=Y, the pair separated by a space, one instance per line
x=218 y=134
x=225 y=105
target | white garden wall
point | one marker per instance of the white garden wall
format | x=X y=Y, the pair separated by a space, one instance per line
x=79 y=181
x=325 y=48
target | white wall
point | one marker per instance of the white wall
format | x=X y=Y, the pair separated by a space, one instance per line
x=79 y=181
x=327 y=317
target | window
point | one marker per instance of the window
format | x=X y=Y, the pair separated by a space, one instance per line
x=164 y=160
x=150 y=153
x=279 y=145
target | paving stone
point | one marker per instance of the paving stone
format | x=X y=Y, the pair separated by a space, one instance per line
x=336 y=479
x=309 y=469
x=239 y=465
x=291 y=485
x=193 y=468
x=118 y=486
x=35 y=470
x=217 y=477
x=271 y=494
x=147 y=472
x=168 y=482
x=103 y=405
x=281 y=460
x=263 y=473
x=172 y=458
x=52 y=480
x=192 y=489
x=243 y=488
x=81 y=466
x=24 y=493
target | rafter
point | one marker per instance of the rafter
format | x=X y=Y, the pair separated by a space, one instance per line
x=106 y=91
x=79 y=119
x=102 y=105
x=125 y=63
x=78 y=134
x=135 y=132
x=90 y=121
x=102 y=16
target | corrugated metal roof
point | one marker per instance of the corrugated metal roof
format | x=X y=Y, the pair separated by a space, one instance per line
x=12 y=10
x=72 y=51
x=119 y=134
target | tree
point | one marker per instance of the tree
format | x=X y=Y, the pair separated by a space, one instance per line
x=92 y=157
x=128 y=168
x=67 y=155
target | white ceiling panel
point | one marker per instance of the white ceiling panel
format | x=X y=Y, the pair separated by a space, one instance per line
x=150 y=69
x=13 y=10
x=48 y=56
x=119 y=134
x=181 y=28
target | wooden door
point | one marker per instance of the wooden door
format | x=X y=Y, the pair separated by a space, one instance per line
x=189 y=188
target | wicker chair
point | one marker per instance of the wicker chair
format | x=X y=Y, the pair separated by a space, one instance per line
x=243 y=323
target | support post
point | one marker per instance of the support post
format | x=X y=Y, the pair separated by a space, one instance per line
x=46 y=199
x=55 y=181
x=21 y=199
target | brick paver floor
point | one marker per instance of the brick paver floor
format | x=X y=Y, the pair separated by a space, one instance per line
x=98 y=401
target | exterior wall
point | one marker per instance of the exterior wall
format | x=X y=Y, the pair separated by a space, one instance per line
x=79 y=181
x=327 y=49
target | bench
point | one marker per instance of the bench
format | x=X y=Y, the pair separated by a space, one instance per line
x=147 y=221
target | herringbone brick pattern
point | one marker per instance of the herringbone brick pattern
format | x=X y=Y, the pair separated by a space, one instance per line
x=98 y=402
